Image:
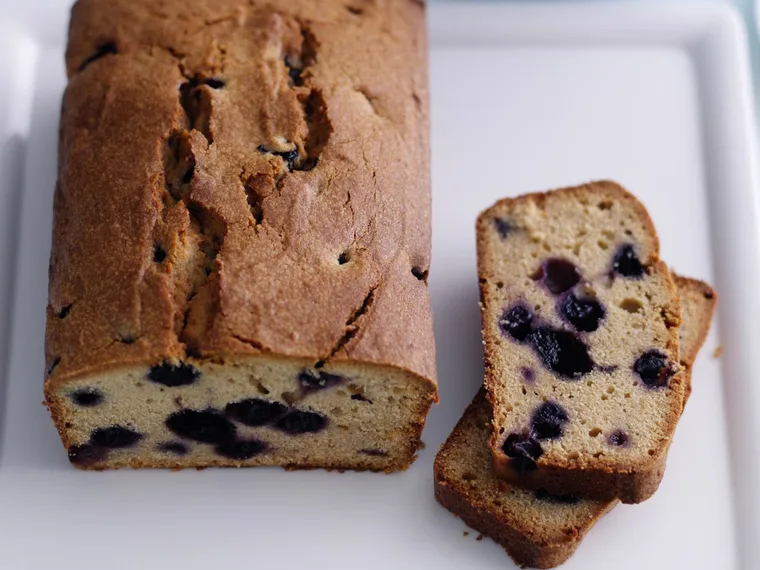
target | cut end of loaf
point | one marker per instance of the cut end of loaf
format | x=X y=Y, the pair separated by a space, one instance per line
x=247 y=412
x=580 y=322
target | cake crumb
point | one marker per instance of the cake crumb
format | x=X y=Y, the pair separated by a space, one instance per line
x=718 y=351
x=465 y=533
x=479 y=537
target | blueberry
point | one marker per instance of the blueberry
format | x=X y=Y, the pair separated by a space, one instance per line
x=654 y=369
x=87 y=397
x=159 y=254
x=543 y=495
x=360 y=398
x=64 y=312
x=255 y=411
x=289 y=156
x=241 y=449
x=172 y=375
x=517 y=322
x=207 y=426
x=618 y=438
x=548 y=421
x=583 y=314
x=626 y=262
x=298 y=421
x=310 y=380
x=503 y=227
x=114 y=437
x=562 y=352
x=524 y=451
x=559 y=275
x=173 y=448
x=86 y=454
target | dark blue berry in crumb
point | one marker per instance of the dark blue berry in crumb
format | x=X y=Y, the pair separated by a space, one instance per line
x=297 y=421
x=559 y=275
x=374 y=452
x=548 y=421
x=159 y=254
x=503 y=227
x=517 y=322
x=289 y=156
x=360 y=398
x=56 y=362
x=618 y=438
x=64 y=312
x=255 y=411
x=562 y=351
x=86 y=454
x=524 y=450
x=310 y=380
x=654 y=369
x=87 y=397
x=114 y=437
x=626 y=262
x=172 y=375
x=241 y=449
x=214 y=82
x=206 y=426
x=543 y=495
x=528 y=375
x=583 y=314
x=173 y=448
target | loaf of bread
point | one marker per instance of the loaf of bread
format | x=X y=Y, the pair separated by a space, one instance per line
x=580 y=323
x=241 y=240
x=536 y=528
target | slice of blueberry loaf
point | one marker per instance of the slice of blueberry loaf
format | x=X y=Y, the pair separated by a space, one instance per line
x=241 y=237
x=537 y=529
x=580 y=326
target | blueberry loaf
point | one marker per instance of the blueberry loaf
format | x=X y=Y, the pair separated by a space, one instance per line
x=241 y=236
x=536 y=528
x=580 y=324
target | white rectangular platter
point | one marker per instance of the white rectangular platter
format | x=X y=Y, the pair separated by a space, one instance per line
x=524 y=97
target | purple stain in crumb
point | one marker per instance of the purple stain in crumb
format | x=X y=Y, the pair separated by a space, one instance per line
x=86 y=454
x=374 y=452
x=619 y=438
x=528 y=375
x=173 y=448
x=360 y=398
x=503 y=227
x=558 y=275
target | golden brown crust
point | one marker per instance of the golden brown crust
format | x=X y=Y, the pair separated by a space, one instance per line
x=594 y=480
x=529 y=538
x=699 y=301
x=275 y=284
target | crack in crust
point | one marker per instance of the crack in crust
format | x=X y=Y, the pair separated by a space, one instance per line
x=351 y=328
